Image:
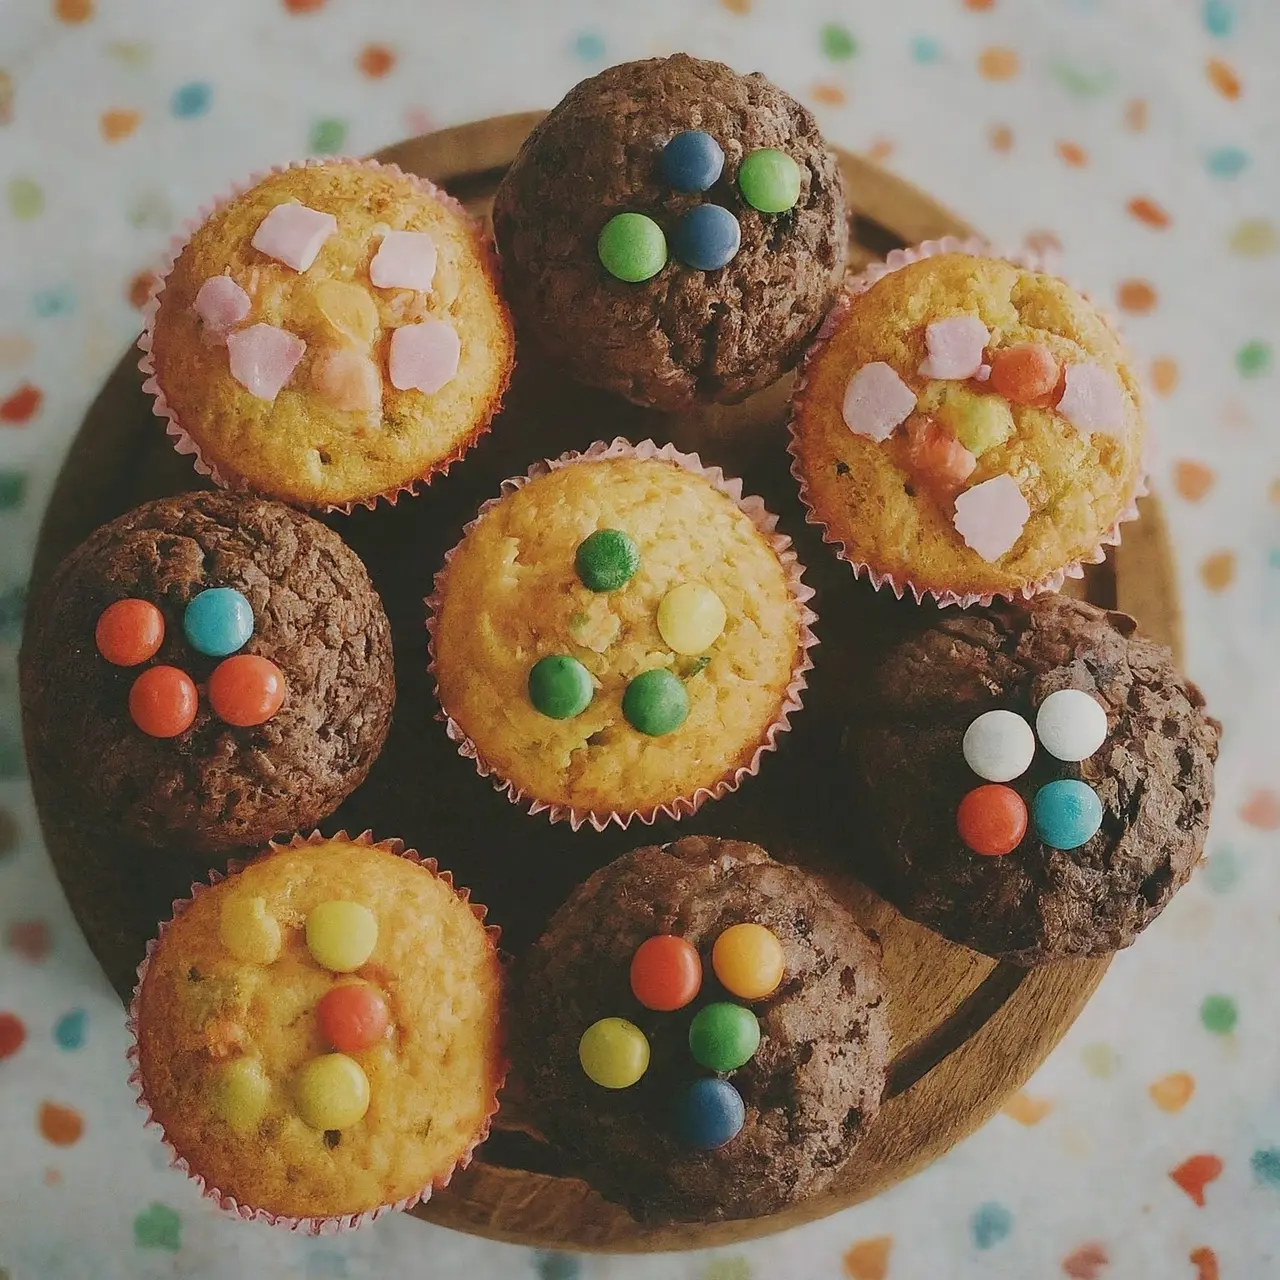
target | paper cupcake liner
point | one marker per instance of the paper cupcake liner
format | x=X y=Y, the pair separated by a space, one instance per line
x=326 y=1225
x=183 y=443
x=1032 y=260
x=801 y=593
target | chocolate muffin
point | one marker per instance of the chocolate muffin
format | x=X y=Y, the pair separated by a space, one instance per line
x=808 y=1089
x=732 y=246
x=1135 y=791
x=207 y=671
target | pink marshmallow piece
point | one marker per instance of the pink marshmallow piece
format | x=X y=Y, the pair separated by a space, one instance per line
x=424 y=357
x=348 y=379
x=405 y=260
x=263 y=358
x=984 y=373
x=291 y=233
x=221 y=303
x=876 y=401
x=1093 y=400
x=954 y=347
x=990 y=517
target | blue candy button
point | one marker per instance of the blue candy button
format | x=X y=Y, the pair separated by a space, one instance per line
x=708 y=1114
x=218 y=622
x=1067 y=813
x=707 y=237
x=692 y=160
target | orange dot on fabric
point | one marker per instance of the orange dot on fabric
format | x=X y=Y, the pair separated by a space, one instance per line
x=22 y=405
x=1218 y=571
x=1137 y=297
x=163 y=702
x=12 y=1034
x=1001 y=137
x=73 y=12
x=1073 y=154
x=737 y=6
x=246 y=690
x=1148 y=212
x=1223 y=78
x=997 y=63
x=52 y=1177
x=129 y=632
x=1273 y=493
x=1172 y=1092
x=117 y=124
x=1164 y=375
x=60 y=1125
x=979 y=5
x=1262 y=810
x=1027 y=1110
x=376 y=60
x=868 y=1259
x=140 y=288
x=1195 y=1174
x=1135 y=115
x=1087 y=1262
x=830 y=95
x=303 y=6
x=880 y=149
x=1025 y=373
x=1205 y=1262
x=666 y=973
x=29 y=939
x=1042 y=241
x=992 y=820
x=1192 y=479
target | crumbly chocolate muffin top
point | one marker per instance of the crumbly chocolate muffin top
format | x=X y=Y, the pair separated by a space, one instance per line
x=214 y=787
x=812 y=1087
x=683 y=336
x=1153 y=775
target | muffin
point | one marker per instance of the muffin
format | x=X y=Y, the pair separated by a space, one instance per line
x=673 y=232
x=332 y=334
x=319 y=1035
x=619 y=634
x=208 y=670
x=967 y=427
x=703 y=1032
x=1037 y=778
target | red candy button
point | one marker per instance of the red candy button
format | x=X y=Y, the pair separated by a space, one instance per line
x=163 y=702
x=246 y=690
x=1025 y=373
x=992 y=820
x=129 y=632
x=353 y=1017
x=665 y=973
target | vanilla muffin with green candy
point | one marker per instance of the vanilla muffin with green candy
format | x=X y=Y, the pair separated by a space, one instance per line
x=319 y=1035
x=619 y=634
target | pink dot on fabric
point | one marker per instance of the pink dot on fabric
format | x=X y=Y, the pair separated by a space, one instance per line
x=263 y=358
x=405 y=260
x=291 y=233
x=349 y=380
x=424 y=357
x=221 y=303
x=876 y=401
x=954 y=347
x=1093 y=400
x=990 y=517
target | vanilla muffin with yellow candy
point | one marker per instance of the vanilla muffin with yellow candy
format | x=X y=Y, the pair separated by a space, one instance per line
x=967 y=426
x=333 y=334
x=319 y=1035
x=619 y=634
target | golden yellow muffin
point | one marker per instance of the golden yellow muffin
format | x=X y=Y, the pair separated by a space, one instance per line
x=618 y=635
x=337 y=359
x=968 y=427
x=257 y=1073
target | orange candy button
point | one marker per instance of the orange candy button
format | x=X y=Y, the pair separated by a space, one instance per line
x=246 y=690
x=1024 y=373
x=163 y=702
x=992 y=820
x=129 y=632
x=666 y=973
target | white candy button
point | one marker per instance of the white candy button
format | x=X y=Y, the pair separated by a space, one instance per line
x=1071 y=724
x=998 y=746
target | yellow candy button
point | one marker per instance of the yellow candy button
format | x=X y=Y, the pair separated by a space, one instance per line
x=332 y=1092
x=248 y=930
x=242 y=1094
x=614 y=1053
x=747 y=958
x=691 y=617
x=341 y=936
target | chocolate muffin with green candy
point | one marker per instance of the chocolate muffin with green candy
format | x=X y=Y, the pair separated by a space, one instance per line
x=673 y=231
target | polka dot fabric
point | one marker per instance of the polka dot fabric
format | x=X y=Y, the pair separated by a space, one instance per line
x=1149 y=1143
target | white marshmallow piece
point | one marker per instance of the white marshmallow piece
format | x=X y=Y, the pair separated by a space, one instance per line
x=221 y=303
x=1071 y=724
x=954 y=347
x=990 y=517
x=877 y=401
x=999 y=746
x=1093 y=400
x=292 y=233
x=424 y=357
x=263 y=358
x=405 y=260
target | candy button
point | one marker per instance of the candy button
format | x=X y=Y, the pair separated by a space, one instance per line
x=332 y=1092
x=614 y=1053
x=606 y=560
x=353 y=1017
x=992 y=820
x=163 y=702
x=1071 y=725
x=769 y=180
x=242 y=1094
x=692 y=161
x=1067 y=813
x=666 y=973
x=708 y=1114
x=246 y=690
x=691 y=617
x=748 y=960
x=341 y=935
x=217 y=622
x=723 y=1036
x=999 y=745
x=248 y=930
x=632 y=247
x=656 y=702
x=560 y=686
x=707 y=237
x=129 y=632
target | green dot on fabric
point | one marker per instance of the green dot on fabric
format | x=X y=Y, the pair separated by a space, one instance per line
x=735 y=1268
x=632 y=247
x=837 y=42
x=1222 y=870
x=560 y=687
x=327 y=136
x=769 y=180
x=26 y=199
x=656 y=702
x=1100 y=1060
x=1253 y=358
x=607 y=560
x=158 y=1227
x=13 y=487
x=1218 y=1013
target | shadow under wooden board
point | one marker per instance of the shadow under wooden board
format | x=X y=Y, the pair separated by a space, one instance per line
x=966 y=1031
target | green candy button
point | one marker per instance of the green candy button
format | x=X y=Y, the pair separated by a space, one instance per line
x=632 y=247
x=655 y=702
x=724 y=1036
x=560 y=686
x=607 y=560
x=769 y=180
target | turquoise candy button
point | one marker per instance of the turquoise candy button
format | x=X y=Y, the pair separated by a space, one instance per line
x=632 y=247
x=560 y=686
x=708 y=1113
x=1067 y=813
x=724 y=1036
x=655 y=702
x=218 y=622
x=692 y=161
x=607 y=560
x=769 y=180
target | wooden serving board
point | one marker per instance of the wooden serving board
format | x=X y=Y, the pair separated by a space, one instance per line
x=966 y=1032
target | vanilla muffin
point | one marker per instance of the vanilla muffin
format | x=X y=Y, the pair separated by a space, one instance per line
x=968 y=427
x=329 y=335
x=319 y=1034
x=620 y=634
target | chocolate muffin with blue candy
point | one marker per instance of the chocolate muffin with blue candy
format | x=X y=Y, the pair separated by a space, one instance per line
x=673 y=231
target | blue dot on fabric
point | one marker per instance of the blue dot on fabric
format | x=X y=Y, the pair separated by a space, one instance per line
x=325 y=1264
x=69 y=1029
x=192 y=99
x=1265 y=1163
x=990 y=1224
x=1219 y=17
x=58 y=301
x=589 y=47
x=925 y=49
x=556 y=1266
x=1226 y=162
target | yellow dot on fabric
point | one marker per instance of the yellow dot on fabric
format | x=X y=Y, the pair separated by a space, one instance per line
x=691 y=617
x=248 y=930
x=341 y=936
x=747 y=958
x=614 y=1053
x=242 y=1094
x=332 y=1092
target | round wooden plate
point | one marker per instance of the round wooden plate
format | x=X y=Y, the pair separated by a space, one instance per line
x=966 y=1032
